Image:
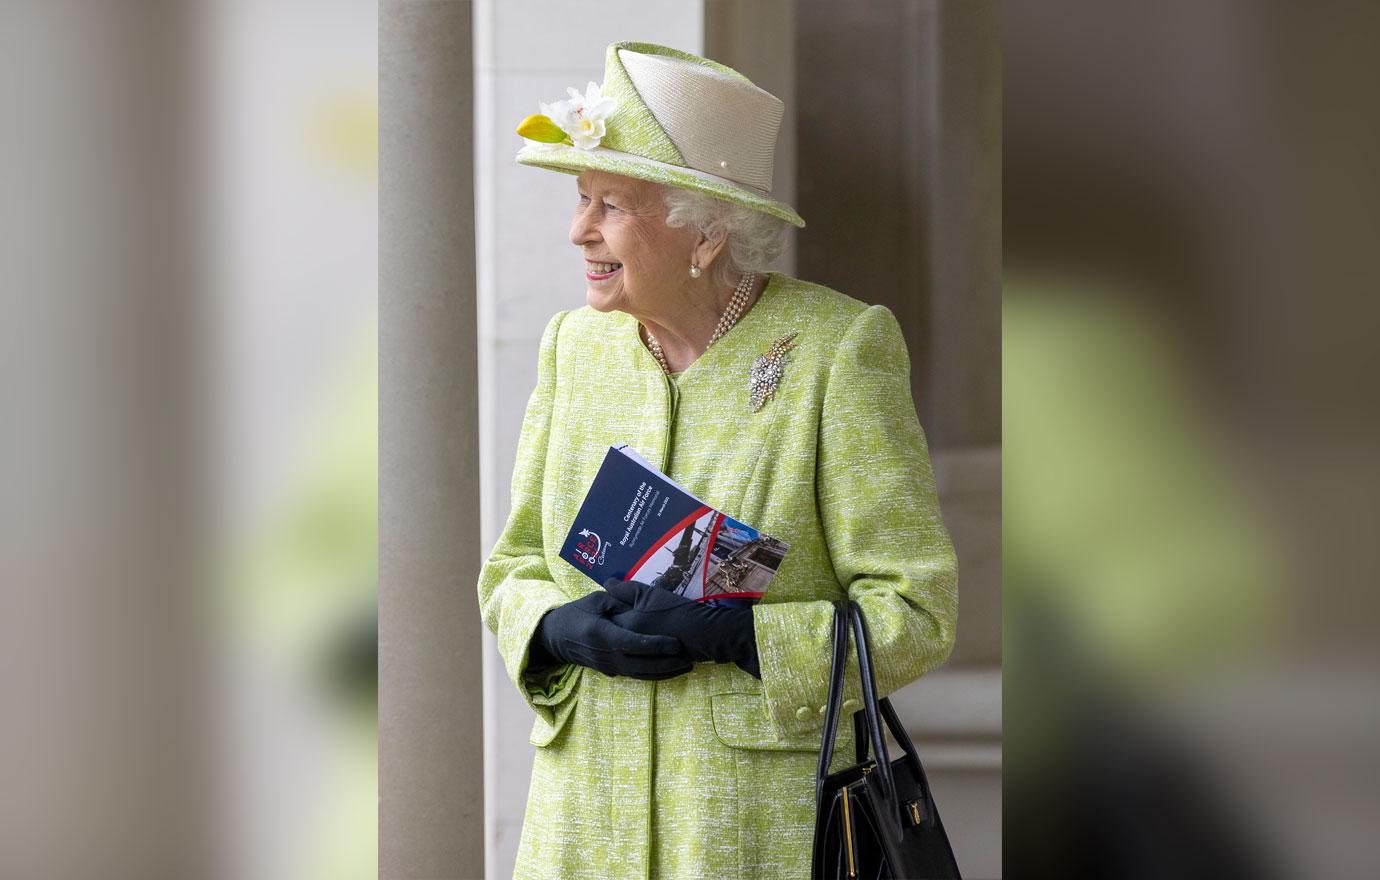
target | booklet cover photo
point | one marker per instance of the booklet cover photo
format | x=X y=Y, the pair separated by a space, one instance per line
x=638 y=524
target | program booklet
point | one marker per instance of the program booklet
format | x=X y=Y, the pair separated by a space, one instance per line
x=638 y=524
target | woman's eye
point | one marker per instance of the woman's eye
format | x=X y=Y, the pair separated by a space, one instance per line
x=612 y=205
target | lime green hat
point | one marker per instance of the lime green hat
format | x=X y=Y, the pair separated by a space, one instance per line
x=670 y=117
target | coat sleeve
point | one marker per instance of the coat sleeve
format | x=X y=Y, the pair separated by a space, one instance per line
x=515 y=585
x=887 y=544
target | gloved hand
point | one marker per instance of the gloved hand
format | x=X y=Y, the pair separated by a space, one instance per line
x=583 y=632
x=709 y=632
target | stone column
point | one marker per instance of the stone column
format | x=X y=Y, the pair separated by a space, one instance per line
x=431 y=816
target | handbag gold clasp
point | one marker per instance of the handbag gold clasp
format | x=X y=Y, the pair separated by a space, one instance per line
x=914 y=807
x=848 y=835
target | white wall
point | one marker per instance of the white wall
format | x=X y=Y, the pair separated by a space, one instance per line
x=525 y=52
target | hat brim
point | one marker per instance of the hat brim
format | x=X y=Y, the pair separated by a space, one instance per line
x=573 y=160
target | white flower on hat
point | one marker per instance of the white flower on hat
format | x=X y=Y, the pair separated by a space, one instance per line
x=577 y=122
x=582 y=117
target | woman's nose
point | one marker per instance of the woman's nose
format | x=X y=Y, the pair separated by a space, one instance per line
x=583 y=228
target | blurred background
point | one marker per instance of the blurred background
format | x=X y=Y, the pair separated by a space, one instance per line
x=197 y=528
x=1188 y=411
x=190 y=348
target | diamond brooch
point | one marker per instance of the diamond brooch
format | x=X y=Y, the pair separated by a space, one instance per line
x=768 y=369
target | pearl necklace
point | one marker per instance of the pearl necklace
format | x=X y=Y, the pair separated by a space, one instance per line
x=729 y=318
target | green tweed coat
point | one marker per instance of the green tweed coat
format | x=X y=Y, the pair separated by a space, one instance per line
x=711 y=774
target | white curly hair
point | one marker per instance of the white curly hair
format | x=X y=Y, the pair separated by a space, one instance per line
x=754 y=239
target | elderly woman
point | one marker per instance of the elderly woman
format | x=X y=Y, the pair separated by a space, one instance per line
x=675 y=739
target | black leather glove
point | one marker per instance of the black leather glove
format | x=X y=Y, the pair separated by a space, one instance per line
x=583 y=632
x=709 y=632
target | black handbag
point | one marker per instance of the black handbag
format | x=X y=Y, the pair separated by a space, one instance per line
x=876 y=819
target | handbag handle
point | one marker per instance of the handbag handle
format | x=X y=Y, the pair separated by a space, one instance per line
x=833 y=704
x=870 y=710
x=847 y=615
x=884 y=706
x=898 y=731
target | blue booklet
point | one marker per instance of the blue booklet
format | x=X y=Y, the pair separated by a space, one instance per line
x=638 y=524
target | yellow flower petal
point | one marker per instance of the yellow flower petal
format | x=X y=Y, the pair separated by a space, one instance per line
x=540 y=128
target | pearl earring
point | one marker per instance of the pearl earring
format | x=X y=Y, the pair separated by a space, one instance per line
x=694 y=271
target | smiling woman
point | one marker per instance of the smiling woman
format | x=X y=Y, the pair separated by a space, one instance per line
x=646 y=247
x=651 y=760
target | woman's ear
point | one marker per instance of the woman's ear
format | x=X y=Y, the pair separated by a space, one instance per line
x=708 y=249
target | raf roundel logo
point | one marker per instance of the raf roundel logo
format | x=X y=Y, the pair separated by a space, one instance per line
x=590 y=551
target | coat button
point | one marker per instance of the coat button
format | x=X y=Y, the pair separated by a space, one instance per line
x=850 y=705
x=802 y=713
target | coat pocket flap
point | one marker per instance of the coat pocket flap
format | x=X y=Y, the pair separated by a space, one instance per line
x=543 y=731
x=741 y=720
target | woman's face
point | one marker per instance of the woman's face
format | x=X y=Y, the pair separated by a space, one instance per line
x=632 y=258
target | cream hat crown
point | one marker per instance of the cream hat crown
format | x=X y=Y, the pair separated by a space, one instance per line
x=670 y=117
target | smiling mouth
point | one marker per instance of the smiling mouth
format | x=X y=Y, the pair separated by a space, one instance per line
x=601 y=271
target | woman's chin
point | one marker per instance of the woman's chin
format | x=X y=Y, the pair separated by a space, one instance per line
x=600 y=298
